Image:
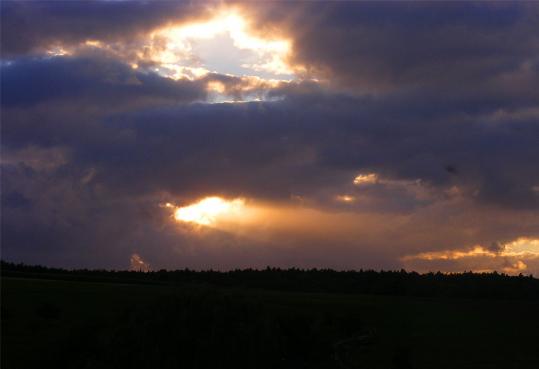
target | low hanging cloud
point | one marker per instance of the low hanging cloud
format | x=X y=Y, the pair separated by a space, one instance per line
x=138 y=264
x=518 y=256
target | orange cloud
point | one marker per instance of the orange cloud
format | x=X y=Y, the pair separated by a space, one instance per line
x=511 y=257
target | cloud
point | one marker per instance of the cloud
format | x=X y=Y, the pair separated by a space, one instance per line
x=138 y=264
x=383 y=47
x=32 y=27
x=512 y=257
x=92 y=146
x=90 y=81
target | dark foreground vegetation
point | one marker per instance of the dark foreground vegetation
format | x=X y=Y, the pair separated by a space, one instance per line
x=399 y=283
x=54 y=318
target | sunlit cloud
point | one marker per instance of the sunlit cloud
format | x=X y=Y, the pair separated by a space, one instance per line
x=216 y=86
x=522 y=247
x=94 y=43
x=223 y=45
x=477 y=250
x=227 y=42
x=510 y=257
x=237 y=89
x=515 y=268
x=365 y=178
x=58 y=51
x=138 y=264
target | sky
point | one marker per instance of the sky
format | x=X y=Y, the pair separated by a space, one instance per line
x=223 y=135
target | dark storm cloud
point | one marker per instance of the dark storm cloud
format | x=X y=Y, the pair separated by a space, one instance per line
x=326 y=144
x=383 y=46
x=93 y=81
x=91 y=146
x=306 y=142
x=31 y=26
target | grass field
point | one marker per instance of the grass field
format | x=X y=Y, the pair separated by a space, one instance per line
x=48 y=323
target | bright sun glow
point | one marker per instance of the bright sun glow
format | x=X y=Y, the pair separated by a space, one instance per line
x=345 y=198
x=195 y=49
x=209 y=210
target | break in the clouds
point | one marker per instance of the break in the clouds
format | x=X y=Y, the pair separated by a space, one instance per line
x=224 y=135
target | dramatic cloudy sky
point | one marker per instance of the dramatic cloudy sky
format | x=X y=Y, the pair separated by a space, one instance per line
x=231 y=135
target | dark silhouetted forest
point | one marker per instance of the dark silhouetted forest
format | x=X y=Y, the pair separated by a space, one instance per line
x=395 y=283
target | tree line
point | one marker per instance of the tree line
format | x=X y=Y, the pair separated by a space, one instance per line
x=400 y=283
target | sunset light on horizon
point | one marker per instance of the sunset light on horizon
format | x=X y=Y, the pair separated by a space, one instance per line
x=209 y=210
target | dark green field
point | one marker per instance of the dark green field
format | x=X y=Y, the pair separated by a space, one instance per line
x=49 y=323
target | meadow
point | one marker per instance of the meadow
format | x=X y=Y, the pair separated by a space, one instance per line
x=48 y=323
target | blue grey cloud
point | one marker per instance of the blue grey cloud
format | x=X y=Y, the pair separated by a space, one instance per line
x=439 y=100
